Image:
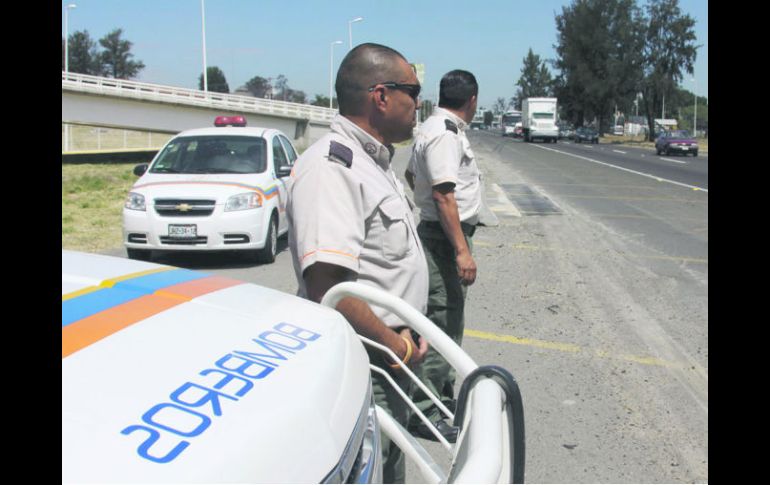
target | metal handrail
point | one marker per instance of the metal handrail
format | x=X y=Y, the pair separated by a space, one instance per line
x=157 y=92
x=486 y=457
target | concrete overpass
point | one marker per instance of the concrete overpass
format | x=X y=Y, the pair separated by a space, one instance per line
x=131 y=105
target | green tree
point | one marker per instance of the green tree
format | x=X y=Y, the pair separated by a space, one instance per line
x=488 y=118
x=259 y=87
x=295 y=96
x=669 y=51
x=323 y=101
x=281 y=87
x=84 y=55
x=116 y=56
x=499 y=106
x=599 y=58
x=215 y=79
x=535 y=79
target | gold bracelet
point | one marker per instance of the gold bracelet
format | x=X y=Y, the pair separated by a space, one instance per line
x=408 y=355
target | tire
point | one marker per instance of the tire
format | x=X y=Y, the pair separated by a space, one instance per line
x=139 y=254
x=267 y=254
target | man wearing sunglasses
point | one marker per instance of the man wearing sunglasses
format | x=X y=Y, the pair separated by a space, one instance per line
x=447 y=190
x=350 y=220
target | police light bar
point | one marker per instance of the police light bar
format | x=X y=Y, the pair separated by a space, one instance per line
x=230 y=121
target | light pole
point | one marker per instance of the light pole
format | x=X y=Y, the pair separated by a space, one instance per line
x=67 y=66
x=203 y=28
x=67 y=37
x=350 y=30
x=695 y=114
x=331 y=69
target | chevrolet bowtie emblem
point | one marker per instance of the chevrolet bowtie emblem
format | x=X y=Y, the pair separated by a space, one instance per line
x=184 y=207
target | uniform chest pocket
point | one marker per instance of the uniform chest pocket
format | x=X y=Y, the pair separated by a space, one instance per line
x=396 y=236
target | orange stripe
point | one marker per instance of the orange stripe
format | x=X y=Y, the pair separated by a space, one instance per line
x=330 y=251
x=85 y=332
x=259 y=190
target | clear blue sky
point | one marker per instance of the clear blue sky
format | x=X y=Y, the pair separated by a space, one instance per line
x=247 y=38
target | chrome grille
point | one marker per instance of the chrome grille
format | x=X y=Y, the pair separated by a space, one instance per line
x=184 y=207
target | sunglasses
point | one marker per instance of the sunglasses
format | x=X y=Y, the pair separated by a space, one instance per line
x=413 y=90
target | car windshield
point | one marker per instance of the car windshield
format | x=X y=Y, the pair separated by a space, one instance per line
x=213 y=154
x=679 y=134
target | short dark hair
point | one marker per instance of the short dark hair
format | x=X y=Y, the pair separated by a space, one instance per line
x=456 y=88
x=364 y=66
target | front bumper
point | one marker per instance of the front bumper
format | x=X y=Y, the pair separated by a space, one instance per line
x=683 y=149
x=237 y=230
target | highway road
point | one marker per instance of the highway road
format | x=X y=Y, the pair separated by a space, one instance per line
x=593 y=291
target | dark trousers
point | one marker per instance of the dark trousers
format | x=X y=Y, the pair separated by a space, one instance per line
x=446 y=309
x=393 y=460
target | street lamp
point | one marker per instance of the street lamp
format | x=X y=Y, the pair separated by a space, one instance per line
x=350 y=30
x=203 y=26
x=331 y=69
x=67 y=37
x=695 y=114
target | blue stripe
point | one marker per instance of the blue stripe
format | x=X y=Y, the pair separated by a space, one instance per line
x=92 y=303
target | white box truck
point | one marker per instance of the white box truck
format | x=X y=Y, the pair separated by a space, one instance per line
x=539 y=119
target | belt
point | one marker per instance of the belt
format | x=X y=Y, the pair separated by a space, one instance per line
x=435 y=226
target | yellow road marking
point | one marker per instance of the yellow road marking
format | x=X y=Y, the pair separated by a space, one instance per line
x=575 y=349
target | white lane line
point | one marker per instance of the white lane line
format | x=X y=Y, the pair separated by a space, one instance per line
x=618 y=151
x=670 y=160
x=624 y=169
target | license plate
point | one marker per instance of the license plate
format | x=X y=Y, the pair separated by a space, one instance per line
x=183 y=231
x=685 y=148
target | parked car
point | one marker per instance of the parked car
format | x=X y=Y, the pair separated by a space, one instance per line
x=586 y=135
x=676 y=141
x=566 y=132
x=220 y=188
x=175 y=376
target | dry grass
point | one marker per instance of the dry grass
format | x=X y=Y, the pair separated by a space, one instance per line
x=92 y=197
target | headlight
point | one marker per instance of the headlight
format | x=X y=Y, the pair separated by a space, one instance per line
x=241 y=202
x=361 y=461
x=135 y=202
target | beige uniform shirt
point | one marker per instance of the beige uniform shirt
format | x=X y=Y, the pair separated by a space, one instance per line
x=442 y=154
x=346 y=207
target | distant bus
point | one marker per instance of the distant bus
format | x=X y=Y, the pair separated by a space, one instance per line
x=510 y=123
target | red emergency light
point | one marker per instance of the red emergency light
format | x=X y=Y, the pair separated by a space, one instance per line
x=230 y=121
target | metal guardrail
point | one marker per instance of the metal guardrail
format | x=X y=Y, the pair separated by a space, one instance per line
x=170 y=94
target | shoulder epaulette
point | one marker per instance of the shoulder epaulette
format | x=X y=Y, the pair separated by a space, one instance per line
x=340 y=152
x=451 y=126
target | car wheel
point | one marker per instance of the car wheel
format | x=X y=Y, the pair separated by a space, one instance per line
x=267 y=254
x=139 y=254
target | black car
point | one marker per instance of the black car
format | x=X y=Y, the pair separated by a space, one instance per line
x=587 y=135
x=676 y=141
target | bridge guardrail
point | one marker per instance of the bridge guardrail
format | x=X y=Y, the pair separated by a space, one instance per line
x=157 y=92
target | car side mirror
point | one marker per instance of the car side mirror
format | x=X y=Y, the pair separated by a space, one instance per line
x=283 y=171
x=140 y=169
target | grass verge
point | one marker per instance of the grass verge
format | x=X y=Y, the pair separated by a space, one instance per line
x=92 y=197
